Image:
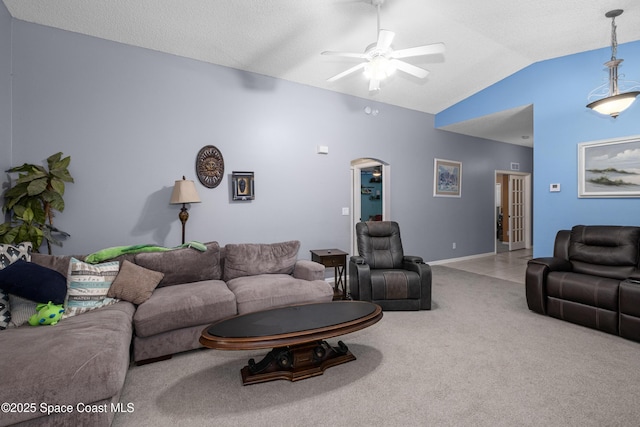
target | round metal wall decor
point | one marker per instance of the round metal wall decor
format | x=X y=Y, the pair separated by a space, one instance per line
x=209 y=166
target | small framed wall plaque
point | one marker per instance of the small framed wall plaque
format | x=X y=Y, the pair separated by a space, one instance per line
x=243 y=185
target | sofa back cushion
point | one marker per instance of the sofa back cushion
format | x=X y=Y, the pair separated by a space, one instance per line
x=250 y=259
x=184 y=265
x=607 y=251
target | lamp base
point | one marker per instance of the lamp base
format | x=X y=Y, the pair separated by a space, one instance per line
x=184 y=216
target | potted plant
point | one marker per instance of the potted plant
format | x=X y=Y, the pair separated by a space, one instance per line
x=31 y=202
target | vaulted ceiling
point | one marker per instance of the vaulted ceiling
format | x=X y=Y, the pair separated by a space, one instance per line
x=486 y=41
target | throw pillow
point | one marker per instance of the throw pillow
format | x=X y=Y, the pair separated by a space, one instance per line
x=134 y=283
x=33 y=282
x=251 y=259
x=21 y=310
x=8 y=255
x=88 y=285
x=11 y=253
x=5 y=313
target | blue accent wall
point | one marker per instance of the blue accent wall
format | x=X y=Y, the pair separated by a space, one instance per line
x=558 y=89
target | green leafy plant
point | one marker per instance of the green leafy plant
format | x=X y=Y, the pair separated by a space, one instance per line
x=32 y=201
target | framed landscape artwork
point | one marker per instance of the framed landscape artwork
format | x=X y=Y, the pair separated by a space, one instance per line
x=447 y=180
x=609 y=168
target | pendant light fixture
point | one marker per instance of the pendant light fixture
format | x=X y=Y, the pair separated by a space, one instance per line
x=614 y=102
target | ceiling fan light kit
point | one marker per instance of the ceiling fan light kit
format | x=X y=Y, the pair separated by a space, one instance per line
x=382 y=61
x=614 y=102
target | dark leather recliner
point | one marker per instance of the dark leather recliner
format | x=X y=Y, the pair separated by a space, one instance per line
x=383 y=274
x=590 y=280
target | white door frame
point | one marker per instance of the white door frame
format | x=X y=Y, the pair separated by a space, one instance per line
x=527 y=208
x=356 y=167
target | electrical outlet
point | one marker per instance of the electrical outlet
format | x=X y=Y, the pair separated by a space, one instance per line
x=454 y=245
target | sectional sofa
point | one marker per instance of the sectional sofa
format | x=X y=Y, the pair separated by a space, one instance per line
x=157 y=304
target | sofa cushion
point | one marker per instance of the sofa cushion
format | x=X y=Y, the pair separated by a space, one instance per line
x=80 y=359
x=59 y=263
x=265 y=291
x=249 y=259
x=185 y=265
x=607 y=245
x=33 y=282
x=593 y=291
x=88 y=285
x=134 y=283
x=181 y=306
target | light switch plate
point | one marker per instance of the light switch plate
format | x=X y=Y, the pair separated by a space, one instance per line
x=554 y=188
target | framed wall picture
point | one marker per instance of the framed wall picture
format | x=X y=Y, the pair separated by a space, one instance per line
x=447 y=180
x=243 y=186
x=609 y=168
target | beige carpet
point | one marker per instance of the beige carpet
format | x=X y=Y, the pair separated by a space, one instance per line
x=480 y=358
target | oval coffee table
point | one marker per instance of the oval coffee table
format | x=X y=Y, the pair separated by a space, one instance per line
x=296 y=334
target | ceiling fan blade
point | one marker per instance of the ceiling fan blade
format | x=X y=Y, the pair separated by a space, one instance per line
x=374 y=85
x=418 y=72
x=344 y=54
x=385 y=38
x=429 y=49
x=347 y=72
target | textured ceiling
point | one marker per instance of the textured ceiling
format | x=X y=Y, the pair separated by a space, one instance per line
x=486 y=40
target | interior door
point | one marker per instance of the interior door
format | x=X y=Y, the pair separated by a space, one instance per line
x=516 y=212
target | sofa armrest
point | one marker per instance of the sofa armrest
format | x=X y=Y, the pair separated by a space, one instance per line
x=536 y=280
x=552 y=263
x=308 y=270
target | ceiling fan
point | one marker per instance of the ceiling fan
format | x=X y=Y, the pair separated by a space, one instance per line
x=382 y=60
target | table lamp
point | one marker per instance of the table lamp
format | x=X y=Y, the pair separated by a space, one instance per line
x=184 y=191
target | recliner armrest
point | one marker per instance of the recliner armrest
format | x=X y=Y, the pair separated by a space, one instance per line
x=413 y=259
x=357 y=259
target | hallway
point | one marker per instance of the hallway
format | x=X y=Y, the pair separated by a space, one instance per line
x=503 y=265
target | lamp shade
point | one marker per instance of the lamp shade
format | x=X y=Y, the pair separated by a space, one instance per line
x=184 y=191
x=614 y=105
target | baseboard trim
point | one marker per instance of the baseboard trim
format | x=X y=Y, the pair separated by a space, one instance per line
x=464 y=258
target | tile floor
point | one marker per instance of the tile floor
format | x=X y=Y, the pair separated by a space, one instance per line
x=503 y=265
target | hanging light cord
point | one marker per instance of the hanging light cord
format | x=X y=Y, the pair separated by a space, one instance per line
x=614 y=39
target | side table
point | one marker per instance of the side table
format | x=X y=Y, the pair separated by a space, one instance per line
x=338 y=260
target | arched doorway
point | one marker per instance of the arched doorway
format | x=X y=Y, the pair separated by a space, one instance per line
x=370 y=193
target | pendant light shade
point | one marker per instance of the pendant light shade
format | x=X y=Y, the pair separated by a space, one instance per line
x=614 y=102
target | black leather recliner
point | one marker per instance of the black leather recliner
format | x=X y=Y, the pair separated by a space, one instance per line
x=383 y=274
x=593 y=279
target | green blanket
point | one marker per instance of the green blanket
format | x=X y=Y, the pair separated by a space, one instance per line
x=109 y=253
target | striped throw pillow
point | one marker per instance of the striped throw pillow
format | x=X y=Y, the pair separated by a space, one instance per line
x=88 y=285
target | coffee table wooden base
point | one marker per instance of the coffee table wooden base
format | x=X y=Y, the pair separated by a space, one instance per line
x=296 y=362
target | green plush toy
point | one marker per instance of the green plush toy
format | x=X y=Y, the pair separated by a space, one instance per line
x=48 y=314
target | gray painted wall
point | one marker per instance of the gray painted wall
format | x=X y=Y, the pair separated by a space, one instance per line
x=134 y=119
x=5 y=95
